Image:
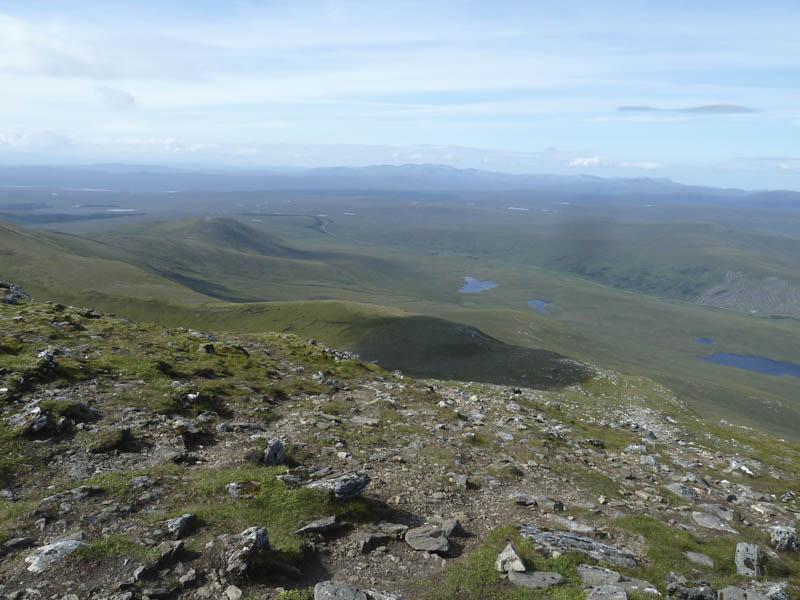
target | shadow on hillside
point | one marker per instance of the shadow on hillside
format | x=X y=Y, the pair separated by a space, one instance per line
x=436 y=348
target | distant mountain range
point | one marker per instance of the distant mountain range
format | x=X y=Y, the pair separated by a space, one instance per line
x=403 y=178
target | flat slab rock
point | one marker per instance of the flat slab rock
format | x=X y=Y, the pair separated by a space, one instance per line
x=337 y=590
x=40 y=559
x=712 y=522
x=597 y=576
x=428 y=538
x=346 y=486
x=565 y=541
x=607 y=592
x=736 y=593
x=535 y=580
x=699 y=559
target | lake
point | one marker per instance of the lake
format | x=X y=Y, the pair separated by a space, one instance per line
x=754 y=363
x=540 y=305
x=473 y=286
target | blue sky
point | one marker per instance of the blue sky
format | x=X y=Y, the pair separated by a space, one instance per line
x=703 y=92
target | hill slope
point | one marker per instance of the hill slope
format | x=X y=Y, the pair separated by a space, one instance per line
x=141 y=462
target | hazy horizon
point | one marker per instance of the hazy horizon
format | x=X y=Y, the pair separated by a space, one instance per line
x=703 y=95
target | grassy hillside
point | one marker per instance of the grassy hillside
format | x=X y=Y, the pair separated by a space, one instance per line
x=401 y=306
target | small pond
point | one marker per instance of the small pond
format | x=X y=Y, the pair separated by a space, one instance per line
x=754 y=363
x=705 y=342
x=540 y=305
x=473 y=286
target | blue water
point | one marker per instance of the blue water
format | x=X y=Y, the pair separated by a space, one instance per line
x=754 y=363
x=473 y=286
x=540 y=305
x=705 y=342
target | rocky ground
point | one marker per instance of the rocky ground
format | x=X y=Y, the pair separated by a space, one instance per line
x=142 y=462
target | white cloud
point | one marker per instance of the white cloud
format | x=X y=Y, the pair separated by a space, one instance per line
x=588 y=161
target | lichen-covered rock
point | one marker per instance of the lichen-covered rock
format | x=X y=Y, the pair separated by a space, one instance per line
x=509 y=560
x=274 y=453
x=180 y=526
x=337 y=590
x=40 y=559
x=238 y=555
x=749 y=560
x=783 y=538
x=564 y=541
x=346 y=486
x=699 y=590
x=535 y=580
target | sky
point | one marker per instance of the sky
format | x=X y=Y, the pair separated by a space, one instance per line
x=701 y=92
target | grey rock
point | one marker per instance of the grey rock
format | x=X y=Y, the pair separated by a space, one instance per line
x=335 y=590
x=535 y=580
x=274 y=453
x=691 y=591
x=250 y=543
x=243 y=490
x=574 y=526
x=460 y=481
x=509 y=560
x=12 y=293
x=637 y=586
x=321 y=526
x=731 y=593
x=563 y=541
x=347 y=486
x=395 y=529
x=373 y=594
x=699 y=559
x=783 y=538
x=749 y=560
x=522 y=499
x=168 y=554
x=156 y=593
x=180 y=526
x=775 y=592
x=452 y=528
x=717 y=509
x=684 y=491
x=429 y=538
x=16 y=544
x=736 y=593
x=607 y=592
x=712 y=522
x=40 y=559
x=636 y=449
x=32 y=421
x=233 y=593
x=597 y=576
x=368 y=541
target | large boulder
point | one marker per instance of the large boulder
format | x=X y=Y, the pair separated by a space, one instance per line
x=535 y=580
x=11 y=293
x=345 y=486
x=783 y=538
x=40 y=559
x=565 y=541
x=509 y=560
x=749 y=560
x=238 y=555
x=428 y=538
x=274 y=453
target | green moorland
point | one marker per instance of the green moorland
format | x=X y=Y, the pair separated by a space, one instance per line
x=384 y=282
